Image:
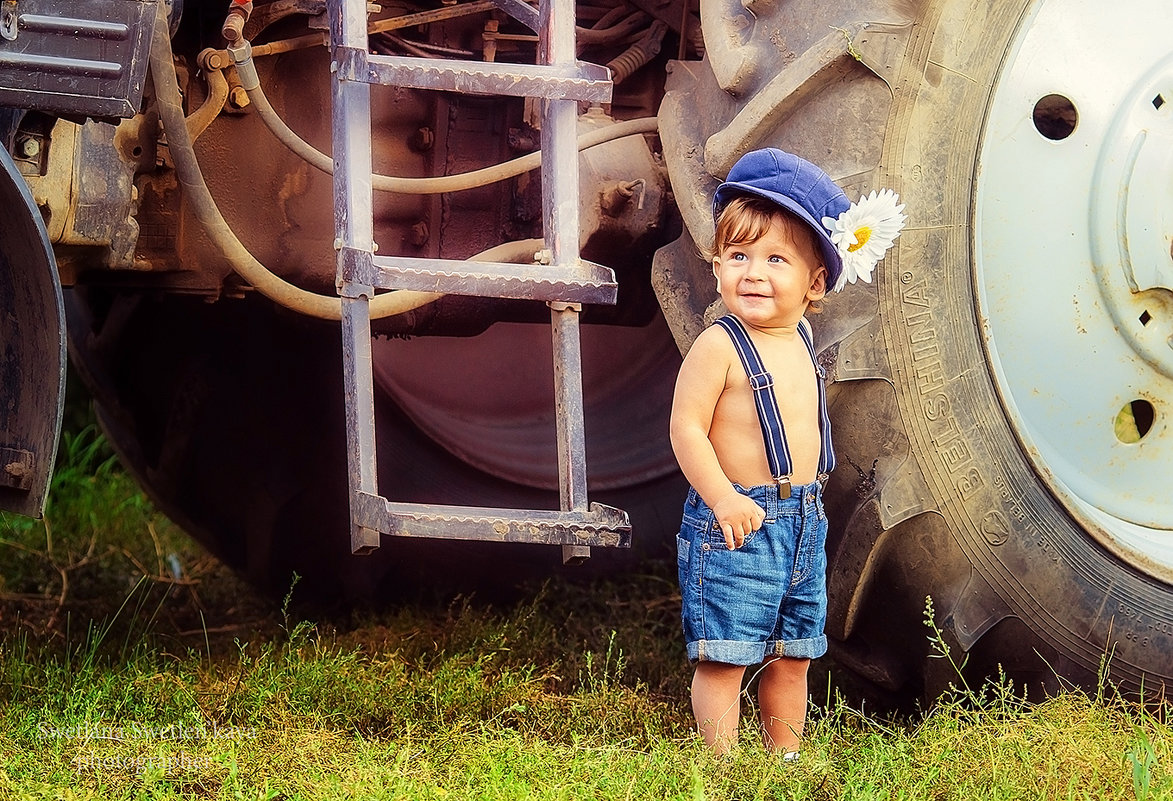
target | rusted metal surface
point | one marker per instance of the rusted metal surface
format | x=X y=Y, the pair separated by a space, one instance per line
x=87 y=191
x=583 y=282
x=17 y=468
x=32 y=349
x=88 y=58
x=291 y=235
x=354 y=227
x=598 y=525
x=521 y=11
x=565 y=82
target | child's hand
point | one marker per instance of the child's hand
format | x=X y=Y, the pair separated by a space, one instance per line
x=738 y=516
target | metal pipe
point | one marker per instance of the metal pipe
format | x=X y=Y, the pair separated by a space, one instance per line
x=426 y=49
x=319 y=39
x=213 y=104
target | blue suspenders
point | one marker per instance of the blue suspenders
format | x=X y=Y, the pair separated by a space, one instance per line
x=762 y=384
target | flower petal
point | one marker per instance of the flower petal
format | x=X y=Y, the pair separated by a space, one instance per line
x=881 y=213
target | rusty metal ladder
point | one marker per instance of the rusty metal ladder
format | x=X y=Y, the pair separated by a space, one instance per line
x=564 y=283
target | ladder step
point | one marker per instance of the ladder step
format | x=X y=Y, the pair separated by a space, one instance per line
x=600 y=526
x=584 y=81
x=586 y=282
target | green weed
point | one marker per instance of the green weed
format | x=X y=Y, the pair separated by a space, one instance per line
x=100 y=546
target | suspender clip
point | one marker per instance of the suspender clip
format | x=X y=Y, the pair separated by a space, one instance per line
x=783 y=487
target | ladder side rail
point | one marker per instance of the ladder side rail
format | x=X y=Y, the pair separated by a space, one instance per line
x=561 y=232
x=354 y=230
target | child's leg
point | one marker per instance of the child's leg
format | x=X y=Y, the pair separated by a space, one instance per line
x=782 y=699
x=716 y=703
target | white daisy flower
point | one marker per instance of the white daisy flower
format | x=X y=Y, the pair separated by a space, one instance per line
x=864 y=233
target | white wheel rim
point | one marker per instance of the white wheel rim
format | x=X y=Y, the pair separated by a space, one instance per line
x=1073 y=265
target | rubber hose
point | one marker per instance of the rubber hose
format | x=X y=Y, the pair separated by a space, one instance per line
x=196 y=191
x=627 y=26
x=444 y=183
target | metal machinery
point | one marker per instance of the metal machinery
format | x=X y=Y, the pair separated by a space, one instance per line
x=486 y=330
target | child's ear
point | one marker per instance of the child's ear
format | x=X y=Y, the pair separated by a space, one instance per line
x=818 y=288
x=716 y=272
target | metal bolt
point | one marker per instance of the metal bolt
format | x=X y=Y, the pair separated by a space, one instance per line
x=423 y=139
x=238 y=97
x=212 y=59
x=523 y=141
x=418 y=235
x=29 y=147
x=8 y=23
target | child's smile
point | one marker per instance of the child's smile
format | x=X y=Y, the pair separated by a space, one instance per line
x=770 y=282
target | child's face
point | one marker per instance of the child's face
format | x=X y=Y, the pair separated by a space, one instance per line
x=769 y=282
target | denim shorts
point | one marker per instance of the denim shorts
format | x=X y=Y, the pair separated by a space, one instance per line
x=766 y=598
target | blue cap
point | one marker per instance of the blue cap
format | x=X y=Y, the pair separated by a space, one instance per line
x=795 y=184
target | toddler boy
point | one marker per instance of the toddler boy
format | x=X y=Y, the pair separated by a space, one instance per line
x=750 y=430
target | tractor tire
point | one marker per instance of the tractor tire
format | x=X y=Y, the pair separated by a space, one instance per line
x=952 y=483
x=230 y=416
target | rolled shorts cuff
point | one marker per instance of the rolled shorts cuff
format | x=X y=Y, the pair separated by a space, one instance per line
x=809 y=648
x=735 y=652
x=731 y=652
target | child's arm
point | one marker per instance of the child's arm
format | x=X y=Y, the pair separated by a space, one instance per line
x=698 y=387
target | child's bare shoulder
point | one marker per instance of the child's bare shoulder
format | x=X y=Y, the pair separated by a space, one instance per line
x=707 y=365
x=713 y=343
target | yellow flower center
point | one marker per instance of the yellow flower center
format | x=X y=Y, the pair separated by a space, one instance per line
x=862 y=235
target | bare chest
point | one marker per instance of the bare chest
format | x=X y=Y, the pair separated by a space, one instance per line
x=795 y=391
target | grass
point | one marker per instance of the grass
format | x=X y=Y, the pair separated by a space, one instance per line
x=133 y=666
